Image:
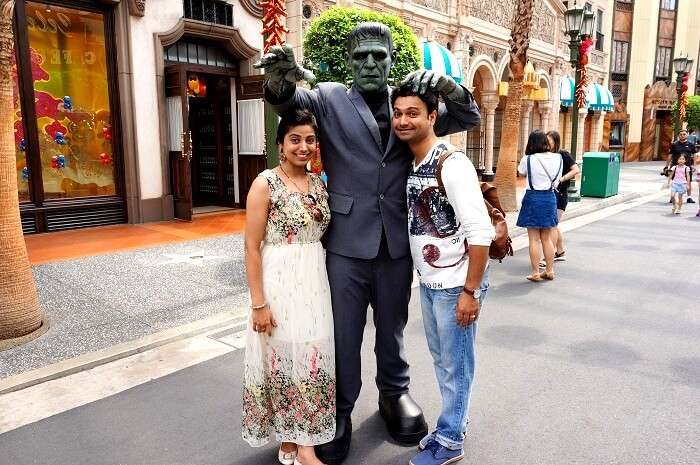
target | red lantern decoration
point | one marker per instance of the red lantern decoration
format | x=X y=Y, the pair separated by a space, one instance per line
x=273 y=30
x=107 y=133
x=582 y=88
x=683 y=104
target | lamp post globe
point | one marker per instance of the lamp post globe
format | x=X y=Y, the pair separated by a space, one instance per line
x=588 y=25
x=679 y=64
x=574 y=21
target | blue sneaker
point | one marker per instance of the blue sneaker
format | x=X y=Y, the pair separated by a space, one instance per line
x=437 y=454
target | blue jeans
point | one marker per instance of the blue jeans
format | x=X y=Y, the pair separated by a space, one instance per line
x=453 y=349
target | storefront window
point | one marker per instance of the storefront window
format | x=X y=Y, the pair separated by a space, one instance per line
x=69 y=71
x=20 y=137
x=617 y=134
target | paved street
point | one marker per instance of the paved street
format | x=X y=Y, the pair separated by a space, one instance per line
x=600 y=366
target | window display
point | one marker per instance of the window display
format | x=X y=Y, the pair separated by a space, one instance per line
x=70 y=78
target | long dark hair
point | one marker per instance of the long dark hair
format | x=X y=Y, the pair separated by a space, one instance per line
x=537 y=143
x=293 y=119
x=557 y=140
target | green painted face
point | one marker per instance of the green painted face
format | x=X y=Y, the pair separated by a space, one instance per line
x=370 y=63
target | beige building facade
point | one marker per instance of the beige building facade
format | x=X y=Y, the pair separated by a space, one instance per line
x=647 y=35
x=477 y=33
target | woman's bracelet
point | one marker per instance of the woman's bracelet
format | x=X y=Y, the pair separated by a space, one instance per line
x=258 y=307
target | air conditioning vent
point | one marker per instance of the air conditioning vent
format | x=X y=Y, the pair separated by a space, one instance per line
x=85 y=218
x=28 y=225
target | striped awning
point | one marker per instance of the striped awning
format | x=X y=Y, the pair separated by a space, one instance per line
x=598 y=98
x=440 y=59
x=567 y=91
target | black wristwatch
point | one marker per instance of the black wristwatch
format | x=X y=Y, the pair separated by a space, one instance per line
x=475 y=293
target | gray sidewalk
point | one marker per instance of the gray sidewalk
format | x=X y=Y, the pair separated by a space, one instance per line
x=98 y=302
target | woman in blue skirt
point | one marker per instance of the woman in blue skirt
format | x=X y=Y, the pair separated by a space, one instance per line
x=538 y=212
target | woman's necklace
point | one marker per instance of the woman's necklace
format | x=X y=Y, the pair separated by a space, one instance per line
x=307 y=198
x=295 y=184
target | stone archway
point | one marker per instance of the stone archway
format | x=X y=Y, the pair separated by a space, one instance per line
x=480 y=141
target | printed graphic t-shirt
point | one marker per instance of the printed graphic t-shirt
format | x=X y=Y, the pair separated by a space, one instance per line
x=439 y=224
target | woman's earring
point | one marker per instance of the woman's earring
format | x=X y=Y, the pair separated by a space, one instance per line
x=283 y=157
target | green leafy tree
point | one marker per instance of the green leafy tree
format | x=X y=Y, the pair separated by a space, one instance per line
x=325 y=42
x=692 y=112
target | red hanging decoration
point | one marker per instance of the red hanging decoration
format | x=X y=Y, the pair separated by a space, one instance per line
x=683 y=104
x=273 y=30
x=583 y=83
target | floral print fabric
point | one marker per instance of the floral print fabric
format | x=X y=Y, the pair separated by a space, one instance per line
x=295 y=217
x=289 y=387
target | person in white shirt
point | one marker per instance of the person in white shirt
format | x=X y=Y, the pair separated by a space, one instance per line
x=450 y=232
x=538 y=212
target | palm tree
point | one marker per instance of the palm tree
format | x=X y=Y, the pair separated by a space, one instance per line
x=20 y=313
x=508 y=154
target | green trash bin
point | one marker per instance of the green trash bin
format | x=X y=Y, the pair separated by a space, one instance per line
x=601 y=174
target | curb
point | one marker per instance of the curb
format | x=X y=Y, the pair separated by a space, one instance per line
x=127 y=349
x=516 y=231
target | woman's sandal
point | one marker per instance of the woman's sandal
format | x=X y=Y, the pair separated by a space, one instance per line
x=535 y=278
x=549 y=276
x=287 y=458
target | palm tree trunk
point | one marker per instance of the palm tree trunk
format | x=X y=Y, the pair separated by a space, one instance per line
x=505 y=179
x=19 y=305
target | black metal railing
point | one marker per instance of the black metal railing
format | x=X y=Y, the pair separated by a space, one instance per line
x=209 y=11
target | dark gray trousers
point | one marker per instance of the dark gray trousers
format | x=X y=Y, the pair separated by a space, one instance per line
x=385 y=284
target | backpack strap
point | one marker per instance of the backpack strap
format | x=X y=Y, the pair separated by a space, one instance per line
x=441 y=161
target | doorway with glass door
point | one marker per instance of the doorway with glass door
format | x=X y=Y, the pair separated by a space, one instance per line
x=212 y=168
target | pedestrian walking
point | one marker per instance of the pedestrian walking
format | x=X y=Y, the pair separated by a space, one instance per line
x=682 y=146
x=538 y=212
x=569 y=171
x=450 y=232
x=679 y=181
x=289 y=388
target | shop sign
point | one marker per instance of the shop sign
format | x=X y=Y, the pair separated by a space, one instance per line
x=662 y=103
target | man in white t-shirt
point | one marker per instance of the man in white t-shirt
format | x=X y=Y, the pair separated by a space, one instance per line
x=453 y=278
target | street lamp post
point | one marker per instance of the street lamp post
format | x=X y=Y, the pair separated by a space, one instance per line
x=579 y=24
x=682 y=66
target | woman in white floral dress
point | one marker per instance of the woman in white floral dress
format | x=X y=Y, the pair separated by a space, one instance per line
x=289 y=390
